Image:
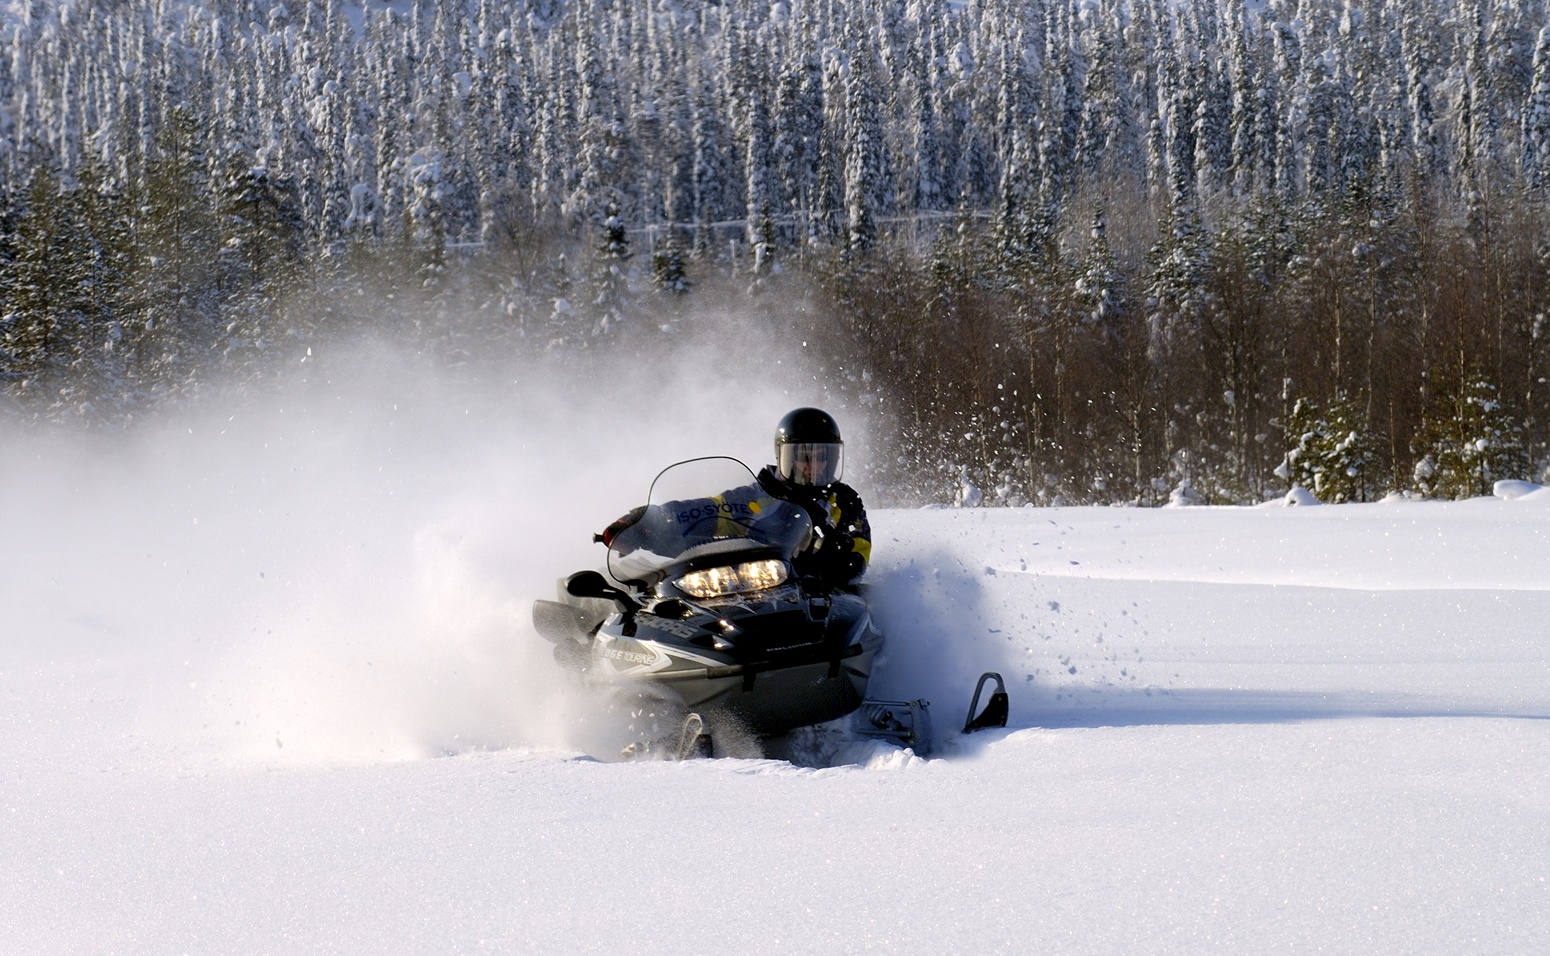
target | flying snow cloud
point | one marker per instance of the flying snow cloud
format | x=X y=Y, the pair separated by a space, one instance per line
x=341 y=567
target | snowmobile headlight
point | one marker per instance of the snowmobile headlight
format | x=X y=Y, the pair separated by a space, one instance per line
x=734 y=578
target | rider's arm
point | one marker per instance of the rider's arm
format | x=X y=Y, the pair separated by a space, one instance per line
x=853 y=533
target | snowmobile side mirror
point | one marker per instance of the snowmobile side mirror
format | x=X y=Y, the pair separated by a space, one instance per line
x=591 y=584
x=672 y=608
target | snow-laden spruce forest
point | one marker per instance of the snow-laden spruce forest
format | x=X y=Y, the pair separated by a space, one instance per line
x=1060 y=250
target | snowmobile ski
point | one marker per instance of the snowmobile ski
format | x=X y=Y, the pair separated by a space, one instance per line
x=996 y=708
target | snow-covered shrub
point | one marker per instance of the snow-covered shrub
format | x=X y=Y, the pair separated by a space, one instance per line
x=1182 y=496
x=1468 y=442
x=1331 y=452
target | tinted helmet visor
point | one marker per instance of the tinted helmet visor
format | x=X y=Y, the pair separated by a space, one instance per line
x=811 y=463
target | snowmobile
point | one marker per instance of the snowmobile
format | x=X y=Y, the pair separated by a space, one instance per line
x=705 y=612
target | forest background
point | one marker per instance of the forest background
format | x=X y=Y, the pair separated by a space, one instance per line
x=1056 y=251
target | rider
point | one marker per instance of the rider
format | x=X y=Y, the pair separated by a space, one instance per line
x=809 y=459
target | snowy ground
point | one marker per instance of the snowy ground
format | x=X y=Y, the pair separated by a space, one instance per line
x=1234 y=730
x=266 y=686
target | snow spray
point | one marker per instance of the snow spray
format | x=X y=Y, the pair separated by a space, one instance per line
x=339 y=565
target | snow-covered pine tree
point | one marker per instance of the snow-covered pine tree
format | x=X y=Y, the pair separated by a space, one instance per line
x=177 y=253
x=1288 y=77
x=1354 y=124
x=1108 y=150
x=550 y=161
x=1468 y=441
x=868 y=178
x=1099 y=285
x=798 y=122
x=609 y=306
x=1061 y=111
x=1321 y=95
x=389 y=104
x=1246 y=117
x=1022 y=233
x=1476 y=123
x=1417 y=40
x=828 y=218
x=711 y=172
x=968 y=88
x=597 y=117
x=1536 y=117
x=1331 y=452
x=929 y=179
x=263 y=242
x=761 y=177
x=676 y=104
x=1210 y=124
x=43 y=321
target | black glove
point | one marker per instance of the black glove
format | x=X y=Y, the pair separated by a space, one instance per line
x=608 y=534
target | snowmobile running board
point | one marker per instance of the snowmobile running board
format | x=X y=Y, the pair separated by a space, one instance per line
x=995 y=709
x=908 y=722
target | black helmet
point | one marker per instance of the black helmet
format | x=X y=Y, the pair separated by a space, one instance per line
x=808 y=449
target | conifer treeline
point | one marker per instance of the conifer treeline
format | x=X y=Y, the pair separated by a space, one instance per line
x=1085 y=250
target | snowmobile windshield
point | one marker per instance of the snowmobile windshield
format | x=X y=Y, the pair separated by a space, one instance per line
x=706 y=508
